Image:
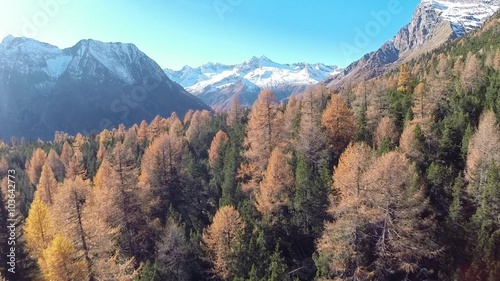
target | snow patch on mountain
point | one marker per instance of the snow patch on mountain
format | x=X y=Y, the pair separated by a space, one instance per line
x=434 y=23
x=57 y=65
x=115 y=57
x=87 y=56
x=16 y=45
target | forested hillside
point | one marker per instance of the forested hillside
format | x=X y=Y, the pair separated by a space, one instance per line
x=396 y=178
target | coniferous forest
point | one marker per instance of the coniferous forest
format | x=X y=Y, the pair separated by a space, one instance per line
x=394 y=178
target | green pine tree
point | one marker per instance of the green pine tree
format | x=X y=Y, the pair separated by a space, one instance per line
x=486 y=218
x=362 y=121
x=278 y=267
x=310 y=200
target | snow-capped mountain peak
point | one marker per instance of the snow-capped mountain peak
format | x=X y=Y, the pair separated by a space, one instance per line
x=464 y=15
x=115 y=57
x=44 y=88
x=6 y=41
x=30 y=56
x=259 y=60
x=434 y=23
x=12 y=45
x=256 y=62
x=210 y=80
x=87 y=58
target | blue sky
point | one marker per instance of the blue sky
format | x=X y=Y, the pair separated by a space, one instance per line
x=193 y=32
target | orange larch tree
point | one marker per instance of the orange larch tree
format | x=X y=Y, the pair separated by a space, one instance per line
x=472 y=77
x=142 y=133
x=56 y=164
x=119 y=193
x=383 y=224
x=105 y=139
x=187 y=117
x=484 y=149
x=222 y=239
x=404 y=79
x=66 y=154
x=342 y=239
x=39 y=228
x=386 y=131
x=199 y=122
x=235 y=112
x=263 y=134
x=47 y=186
x=401 y=216
x=275 y=189
x=35 y=164
x=339 y=124
x=311 y=141
x=219 y=141
x=159 y=173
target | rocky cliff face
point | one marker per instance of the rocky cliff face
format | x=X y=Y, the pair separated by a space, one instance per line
x=418 y=31
x=432 y=16
x=434 y=23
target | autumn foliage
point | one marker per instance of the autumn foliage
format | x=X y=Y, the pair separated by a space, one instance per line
x=35 y=164
x=339 y=124
x=276 y=187
x=394 y=178
x=222 y=238
x=264 y=132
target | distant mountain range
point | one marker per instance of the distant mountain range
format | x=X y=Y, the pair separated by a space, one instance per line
x=216 y=84
x=434 y=23
x=95 y=85
x=88 y=87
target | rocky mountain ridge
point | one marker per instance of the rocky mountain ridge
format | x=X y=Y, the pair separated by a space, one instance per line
x=88 y=87
x=433 y=23
x=216 y=84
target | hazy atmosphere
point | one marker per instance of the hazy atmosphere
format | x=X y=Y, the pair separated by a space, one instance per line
x=241 y=140
x=193 y=32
